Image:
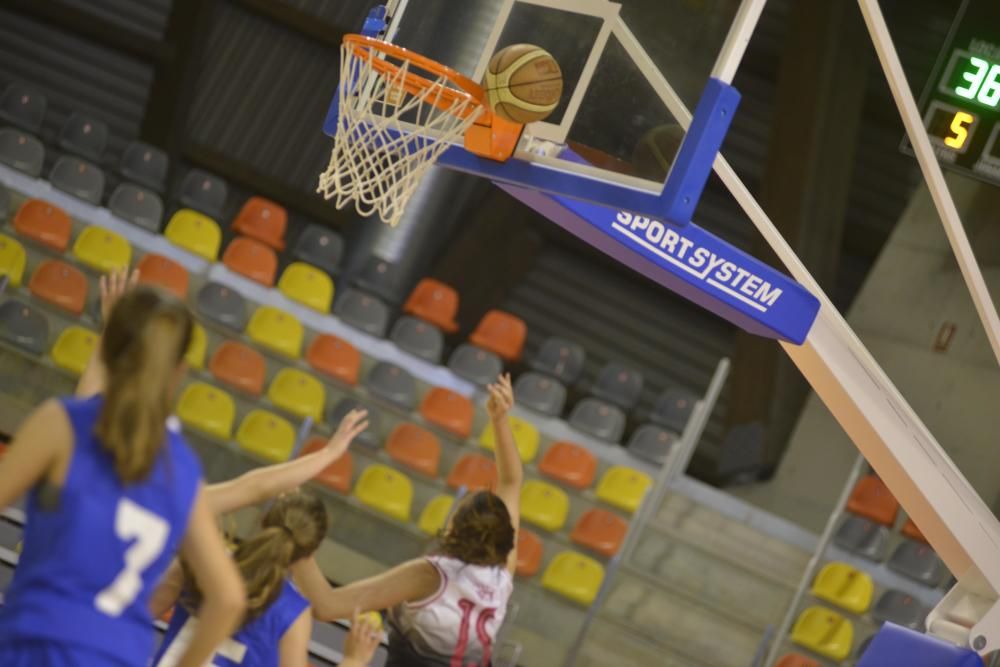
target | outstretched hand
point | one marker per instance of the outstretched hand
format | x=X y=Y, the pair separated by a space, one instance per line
x=363 y=639
x=113 y=286
x=501 y=398
x=353 y=423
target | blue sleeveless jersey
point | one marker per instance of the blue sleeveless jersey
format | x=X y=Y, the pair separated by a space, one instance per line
x=90 y=564
x=254 y=645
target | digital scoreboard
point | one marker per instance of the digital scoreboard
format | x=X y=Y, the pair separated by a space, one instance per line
x=961 y=102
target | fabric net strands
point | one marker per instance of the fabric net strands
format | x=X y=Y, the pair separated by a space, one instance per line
x=392 y=125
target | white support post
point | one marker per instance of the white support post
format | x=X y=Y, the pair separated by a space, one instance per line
x=737 y=40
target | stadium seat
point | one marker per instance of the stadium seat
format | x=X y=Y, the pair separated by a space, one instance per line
x=240 y=366
x=334 y=357
x=362 y=311
x=917 y=561
x=207 y=409
x=222 y=305
x=540 y=393
x=526 y=438
x=475 y=364
x=307 y=285
x=22 y=151
x=85 y=136
x=73 y=348
x=544 y=504
x=24 y=327
x=825 y=632
x=623 y=487
x=651 y=442
x=599 y=419
x=473 y=471
x=381 y=278
x=392 y=383
x=873 y=500
x=146 y=165
x=570 y=464
x=78 y=178
x=204 y=192
x=618 y=384
x=164 y=273
x=863 y=537
x=909 y=528
x=321 y=247
x=796 y=660
x=4 y=202
x=900 y=608
x=419 y=338
x=385 y=490
x=13 y=260
x=23 y=106
x=434 y=516
x=434 y=302
x=574 y=576
x=267 y=435
x=44 y=223
x=673 y=408
x=197 y=348
x=845 y=587
x=60 y=284
x=102 y=249
x=299 y=393
x=194 y=232
x=140 y=207
x=337 y=475
x=253 y=259
x=277 y=330
x=500 y=333
x=370 y=436
x=264 y=220
x=414 y=447
x=601 y=531
x=449 y=410
x=529 y=553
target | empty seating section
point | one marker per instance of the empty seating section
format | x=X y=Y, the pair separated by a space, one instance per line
x=601 y=531
x=207 y=409
x=796 y=660
x=337 y=475
x=526 y=437
x=60 y=284
x=363 y=312
x=435 y=514
x=20 y=150
x=623 y=487
x=844 y=586
x=599 y=419
x=872 y=500
x=917 y=561
x=619 y=385
x=651 y=442
x=414 y=447
x=252 y=259
x=197 y=348
x=863 y=537
x=370 y=436
x=911 y=531
x=335 y=358
x=145 y=165
x=418 y=338
x=204 y=192
x=448 y=410
x=529 y=553
x=380 y=278
x=386 y=490
x=13 y=260
x=24 y=327
x=85 y=136
x=474 y=364
x=299 y=393
x=263 y=220
x=307 y=285
x=44 y=223
x=824 y=631
x=23 y=106
x=266 y=435
x=141 y=207
x=321 y=247
x=222 y=305
x=473 y=472
x=540 y=393
x=102 y=250
x=78 y=178
x=164 y=273
x=900 y=608
x=574 y=576
x=389 y=382
x=673 y=408
x=435 y=303
x=500 y=333
x=195 y=232
x=73 y=348
x=240 y=366
x=276 y=330
x=560 y=359
x=570 y=464
x=544 y=505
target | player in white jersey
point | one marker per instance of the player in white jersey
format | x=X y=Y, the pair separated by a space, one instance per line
x=445 y=609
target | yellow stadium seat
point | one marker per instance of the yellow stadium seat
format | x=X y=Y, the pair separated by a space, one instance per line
x=307 y=285
x=544 y=504
x=73 y=348
x=267 y=435
x=207 y=409
x=435 y=514
x=12 y=259
x=386 y=490
x=298 y=392
x=197 y=348
x=195 y=232
x=574 y=576
x=277 y=330
x=844 y=586
x=525 y=435
x=824 y=631
x=623 y=487
x=102 y=249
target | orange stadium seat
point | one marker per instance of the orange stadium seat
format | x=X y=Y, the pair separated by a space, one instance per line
x=872 y=499
x=601 y=531
x=414 y=447
x=337 y=475
x=44 y=223
x=501 y=333
x=796 y=660
x=239 y=365
x=164 y=273
x=911 y=530
x=434 y=302
x=253 y=259
x=449 y=410
x=334 y=357
x=474 y=472
x=529 y=553
x=60 y=284
x=263 y=220
x=570 y=464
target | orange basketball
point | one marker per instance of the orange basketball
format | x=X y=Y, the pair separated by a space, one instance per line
x=523 y=83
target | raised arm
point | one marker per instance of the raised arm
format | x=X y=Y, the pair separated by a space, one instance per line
x=510 y=471
x=113 y=285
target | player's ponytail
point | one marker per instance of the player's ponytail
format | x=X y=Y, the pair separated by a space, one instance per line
x=143 y=343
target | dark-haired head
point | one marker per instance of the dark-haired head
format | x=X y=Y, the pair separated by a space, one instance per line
x=480 y=531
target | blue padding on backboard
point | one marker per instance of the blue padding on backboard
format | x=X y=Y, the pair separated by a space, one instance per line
x=895 y=646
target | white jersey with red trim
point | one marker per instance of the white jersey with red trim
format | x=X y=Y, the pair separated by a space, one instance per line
x=459 y=623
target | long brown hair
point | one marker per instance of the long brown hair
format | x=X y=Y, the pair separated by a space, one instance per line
x=481 y=532
x=144 y=341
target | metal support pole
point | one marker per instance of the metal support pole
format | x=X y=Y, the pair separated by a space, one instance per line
x=731 y=54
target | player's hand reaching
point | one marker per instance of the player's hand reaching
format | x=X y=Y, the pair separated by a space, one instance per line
x=113 y=286
x=501 y=398
x=353 y=423
x=363 y=640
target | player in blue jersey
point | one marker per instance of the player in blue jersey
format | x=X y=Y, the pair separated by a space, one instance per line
x=113 y=492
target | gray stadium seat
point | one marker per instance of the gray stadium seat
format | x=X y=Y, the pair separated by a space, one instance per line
x=652 y=442
x=540 y=393
x=145 y=165
x=85 y=136
x=862 y=537
x=917 y=561
x=382 y=279
x=22 y=151
x=10 y=534
x=321 y=247
x=900 y=608
x=22 y=106
x=418 y=338
x=371 y=435
x=204 y=192
x=222 y=305
x=601 y=420
x=23 y=326
x=618 y=384
x=673 y=408
x=6 y=576
x=78 y=178
x=143 y=208
x=391 y=383
x=4 y=203
x=475 y=364
x=362 y=311
x=560 y=358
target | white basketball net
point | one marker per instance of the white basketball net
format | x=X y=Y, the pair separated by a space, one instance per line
x=388 y=136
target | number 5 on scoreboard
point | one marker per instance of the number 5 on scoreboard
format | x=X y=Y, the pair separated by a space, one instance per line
x=960 y=132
